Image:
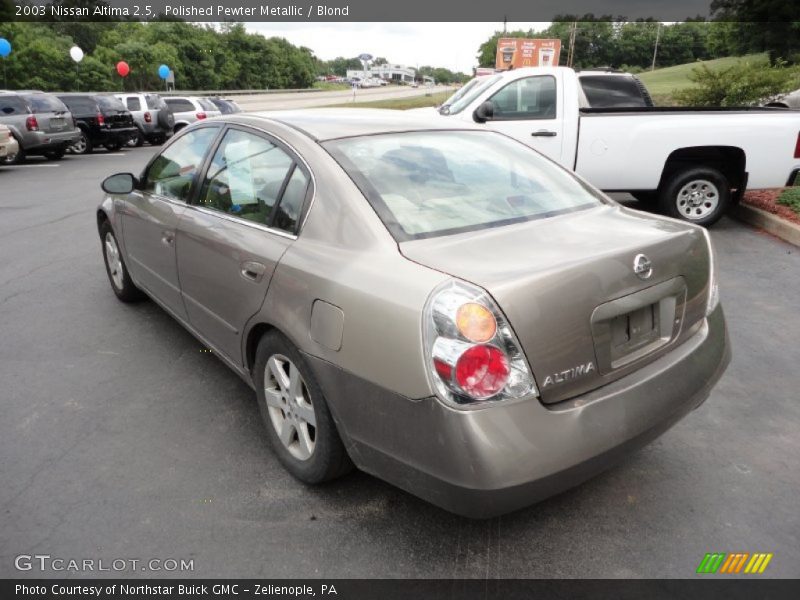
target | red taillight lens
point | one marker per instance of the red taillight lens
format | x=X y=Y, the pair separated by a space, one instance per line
x=201 y=115
x=148 y=118
x=31 y=124
x=482 y=371
x=797 y=147
x=101 y=120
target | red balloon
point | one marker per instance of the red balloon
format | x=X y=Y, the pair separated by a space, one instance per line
x=123 y=69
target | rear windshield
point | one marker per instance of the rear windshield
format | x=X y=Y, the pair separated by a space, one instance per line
x=432 y=183
x=612 y=91
x=180 y=105
x=42 y=103
x=12 y=105
x=80 y=105
x=154 y=101
x=207 y=104
x=110 y=103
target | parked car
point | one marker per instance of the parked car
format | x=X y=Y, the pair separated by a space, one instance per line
x=151 y=115
x=695 y=162
x=190 y=109
x=789 y=100
x=432 y=301
x=8 y=144
x=226 y=106
x=40 y=123
x=103 y=121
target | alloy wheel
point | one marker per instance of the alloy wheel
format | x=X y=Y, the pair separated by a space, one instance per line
x=290 y=407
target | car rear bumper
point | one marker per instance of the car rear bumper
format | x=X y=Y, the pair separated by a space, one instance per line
x=38 y=142
x=491 y=461
x=118 y=135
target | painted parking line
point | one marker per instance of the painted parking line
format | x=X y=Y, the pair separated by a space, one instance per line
x=35 y=166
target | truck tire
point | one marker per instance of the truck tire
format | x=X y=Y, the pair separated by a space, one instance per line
x=699 y=195
x=83 y=145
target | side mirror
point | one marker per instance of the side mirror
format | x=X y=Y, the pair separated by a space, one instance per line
x=121 y=183
x=485 y=112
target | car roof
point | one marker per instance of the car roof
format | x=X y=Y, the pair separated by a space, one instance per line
x=330 y=123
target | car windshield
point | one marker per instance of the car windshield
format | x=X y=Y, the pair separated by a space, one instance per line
x=464 y=97
x=432 y=183
x=110 y=103
x=42 y=103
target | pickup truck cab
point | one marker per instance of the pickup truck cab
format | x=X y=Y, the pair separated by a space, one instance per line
x=693 y=161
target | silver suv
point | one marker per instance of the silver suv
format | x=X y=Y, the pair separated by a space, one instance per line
x=152 y=116
x=40 y=123
x=188 y=109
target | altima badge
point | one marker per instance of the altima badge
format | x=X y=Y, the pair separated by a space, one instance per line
x=569 y=374
x=642 y=266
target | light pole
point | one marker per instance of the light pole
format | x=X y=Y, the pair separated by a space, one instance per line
x=655 y=50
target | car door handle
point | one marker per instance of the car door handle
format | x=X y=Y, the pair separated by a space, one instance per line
x=168 y=238
x=544 y=133
x=252 y=270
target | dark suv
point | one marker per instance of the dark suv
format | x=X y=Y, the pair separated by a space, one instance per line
x=39 y=122
x=103 y=121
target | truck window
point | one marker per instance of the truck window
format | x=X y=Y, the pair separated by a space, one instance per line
x=613 y=92
x=526 y=99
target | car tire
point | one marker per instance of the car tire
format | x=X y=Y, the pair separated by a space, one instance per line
x=55 y=154
x=118 y=276
x=300 y=429
x=699 y=195
x=136 y=141
x=113 y=146
x=83 y=145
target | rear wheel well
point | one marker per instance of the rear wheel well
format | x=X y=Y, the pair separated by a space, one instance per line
x=776 y=105
x=251 y=345
x=728 y=160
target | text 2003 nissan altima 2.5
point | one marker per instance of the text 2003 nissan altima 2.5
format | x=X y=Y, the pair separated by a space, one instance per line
x=440 y=306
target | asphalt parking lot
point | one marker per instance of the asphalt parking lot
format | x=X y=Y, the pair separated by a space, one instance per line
x=121 y=438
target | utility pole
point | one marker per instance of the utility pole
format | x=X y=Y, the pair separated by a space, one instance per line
x=505 y=22
x=571 y=51
x=655 y=50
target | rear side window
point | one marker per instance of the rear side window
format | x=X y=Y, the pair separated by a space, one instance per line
x=172 y=173
x=612 y=92
x=247 y=177
x=42 y=103
x=133 y=103
x=180 y=105
x=81 y=105
x=12 y=105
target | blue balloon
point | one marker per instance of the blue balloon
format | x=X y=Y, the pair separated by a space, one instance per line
x=163 y=71
x=5 y=47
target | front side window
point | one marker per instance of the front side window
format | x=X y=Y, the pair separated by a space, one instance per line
x=432 y=183
x=528 y=98
x=247 y=177
x=171 y=174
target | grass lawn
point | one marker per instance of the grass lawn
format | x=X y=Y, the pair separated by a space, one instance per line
x=662 y=82
x=401 y=103
x=330 y=85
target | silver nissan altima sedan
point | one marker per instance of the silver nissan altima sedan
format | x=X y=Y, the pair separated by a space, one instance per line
x=440 y=306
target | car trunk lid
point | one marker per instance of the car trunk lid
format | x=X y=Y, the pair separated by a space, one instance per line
x=568 y=288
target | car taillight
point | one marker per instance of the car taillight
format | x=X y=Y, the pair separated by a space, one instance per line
x=797 y=147
x=471 y=354
x=31 y=124
x=101 y=120
x=200 y=115
x=148 y=118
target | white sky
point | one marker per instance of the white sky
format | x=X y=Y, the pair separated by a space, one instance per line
x=450 y=45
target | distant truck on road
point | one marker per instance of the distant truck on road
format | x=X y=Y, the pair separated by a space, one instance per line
x=694 y=162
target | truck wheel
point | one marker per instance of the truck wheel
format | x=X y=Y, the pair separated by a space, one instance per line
x=55 y=154
x=83 y=145
x=136 y=141
x=699 y=195
x=299 y=424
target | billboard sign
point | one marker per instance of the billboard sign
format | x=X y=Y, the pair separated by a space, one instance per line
x=515 y=53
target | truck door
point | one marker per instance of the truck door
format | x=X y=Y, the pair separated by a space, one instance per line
x=530 y=110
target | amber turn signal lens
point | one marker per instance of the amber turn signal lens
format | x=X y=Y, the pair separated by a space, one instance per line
x=476 y=322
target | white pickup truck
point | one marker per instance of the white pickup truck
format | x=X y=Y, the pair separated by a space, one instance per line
x=694 y=161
